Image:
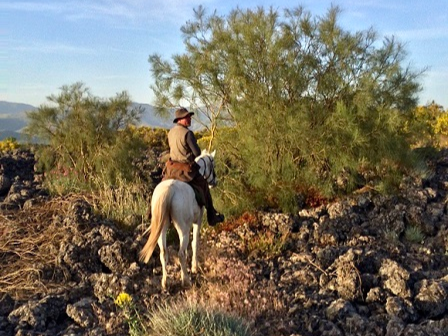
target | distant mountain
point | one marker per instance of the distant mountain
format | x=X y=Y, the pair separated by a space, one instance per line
x=11 y=124
x=14 y=110
x=13 y=118
x=151 y=119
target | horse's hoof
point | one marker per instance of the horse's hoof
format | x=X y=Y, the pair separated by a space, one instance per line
x=196 y=270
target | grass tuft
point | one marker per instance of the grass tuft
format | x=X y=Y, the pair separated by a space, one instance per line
x=268 y=244
x=414 y=234
x=189 y=319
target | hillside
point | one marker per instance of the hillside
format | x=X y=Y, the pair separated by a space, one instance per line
x=12 y=119
x=150 y=119
x=14 y=110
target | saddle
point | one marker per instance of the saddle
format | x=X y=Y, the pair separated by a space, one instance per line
x=178 y=171
x=185 y=172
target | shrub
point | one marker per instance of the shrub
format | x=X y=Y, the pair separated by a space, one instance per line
x=8 y=144
x=90 y=146
x=86 y=135
x=441 y=126
x=153 y=137
x=309 y=103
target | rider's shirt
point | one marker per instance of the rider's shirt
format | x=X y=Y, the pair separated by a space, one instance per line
x=183 y=145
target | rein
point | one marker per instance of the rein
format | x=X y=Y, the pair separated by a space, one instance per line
x=211 y=172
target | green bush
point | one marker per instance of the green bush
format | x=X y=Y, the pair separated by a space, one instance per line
x=85 y=136
x=308 y=105
x=89 y=145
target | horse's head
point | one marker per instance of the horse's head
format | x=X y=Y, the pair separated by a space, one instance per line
x=206 y=162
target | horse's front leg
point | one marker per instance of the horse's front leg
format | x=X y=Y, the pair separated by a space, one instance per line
x=184 y=238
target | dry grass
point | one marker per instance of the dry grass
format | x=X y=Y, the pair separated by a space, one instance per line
x=29 y=246
x=124 y=203
x=226 y=284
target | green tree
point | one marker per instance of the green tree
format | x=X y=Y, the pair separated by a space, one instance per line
x=310 y=105
x=85 y=136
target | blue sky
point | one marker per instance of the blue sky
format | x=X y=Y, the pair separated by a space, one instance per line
x=45 y=44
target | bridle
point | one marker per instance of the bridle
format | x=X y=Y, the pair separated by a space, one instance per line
x=207 y=169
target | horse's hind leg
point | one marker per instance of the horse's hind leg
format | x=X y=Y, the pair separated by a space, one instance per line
x=184 y=238
x=194 y=248
x=195 y=241
x=163 y=255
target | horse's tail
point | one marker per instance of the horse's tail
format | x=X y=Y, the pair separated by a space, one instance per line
x=160 y=215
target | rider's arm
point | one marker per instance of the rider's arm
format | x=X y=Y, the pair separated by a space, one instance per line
x=193 y=144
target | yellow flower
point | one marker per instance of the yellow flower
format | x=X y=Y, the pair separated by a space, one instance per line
x=123 y=299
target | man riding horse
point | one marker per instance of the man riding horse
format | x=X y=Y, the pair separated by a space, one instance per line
x=182 y=166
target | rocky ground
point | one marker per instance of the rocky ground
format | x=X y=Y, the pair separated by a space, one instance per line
x=364 y=265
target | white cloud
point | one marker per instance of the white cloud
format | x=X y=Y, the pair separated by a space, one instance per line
x=134 y=10
x=423 y=34
x=51 y=48
x=27 y=6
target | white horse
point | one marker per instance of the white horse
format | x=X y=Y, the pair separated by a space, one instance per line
x=175 y=201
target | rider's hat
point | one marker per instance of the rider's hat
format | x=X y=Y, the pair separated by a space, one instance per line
x=181 y=113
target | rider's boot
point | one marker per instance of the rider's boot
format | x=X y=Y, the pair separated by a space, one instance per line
x=214 y=218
